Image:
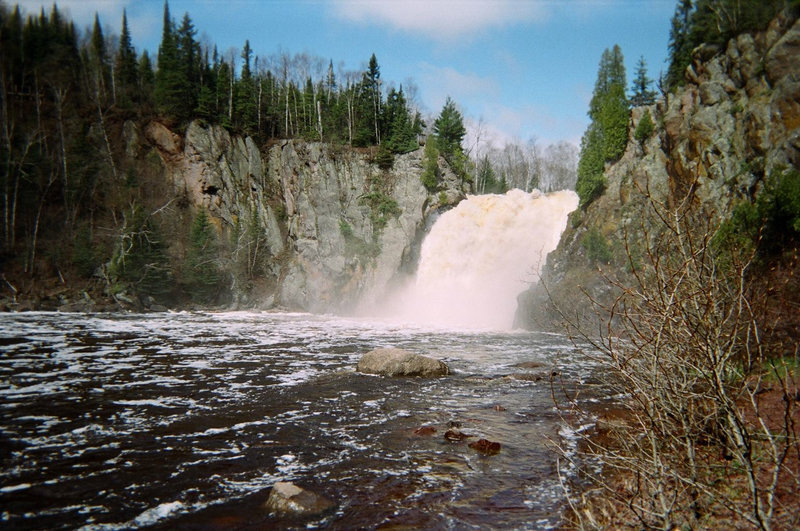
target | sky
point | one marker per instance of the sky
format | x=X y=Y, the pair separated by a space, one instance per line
x=522 y=69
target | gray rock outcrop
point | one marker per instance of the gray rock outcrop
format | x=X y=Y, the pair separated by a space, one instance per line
x=398 y=362
x=736 y=120
x=322 y=228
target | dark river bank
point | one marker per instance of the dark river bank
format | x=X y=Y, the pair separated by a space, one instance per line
x=187 y=419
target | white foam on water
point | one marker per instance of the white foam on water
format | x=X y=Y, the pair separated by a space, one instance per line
x=154 y=514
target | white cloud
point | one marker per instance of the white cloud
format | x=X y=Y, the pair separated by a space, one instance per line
x=441 y=20
x=439 y=82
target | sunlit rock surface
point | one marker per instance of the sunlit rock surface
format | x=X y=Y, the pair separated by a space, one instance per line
x=312 y=208
x=398 y=362
x=288 y=498
x=736 y=119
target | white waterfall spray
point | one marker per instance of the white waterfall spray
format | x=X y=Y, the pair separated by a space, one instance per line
x=479 y=256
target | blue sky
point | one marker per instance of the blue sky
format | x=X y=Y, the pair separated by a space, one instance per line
x=524 y=68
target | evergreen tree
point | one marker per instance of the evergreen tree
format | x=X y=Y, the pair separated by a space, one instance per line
x=642 y=93
x=167 y=91
x=201 y=274
x=644 y=128
x=126 y=65
x=245 y=107
x=680 y=48
x=591 y=182
x=189 y=61
x=224 y=96
x=99 y=59
x=140 y=262
x=146 y=77
x=607 y=135
x=430 y=166
x=450 y=131
x=400 y=135
x=373 y=83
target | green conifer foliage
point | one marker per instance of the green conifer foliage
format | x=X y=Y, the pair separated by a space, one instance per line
x=140 y=262
x=430 y=173
x=607 y=135
x=450 y=130
x=201 y=274
x=641 y=87
x=400 y=135
x=127 y=69
x=715 y=22
x=644 y=128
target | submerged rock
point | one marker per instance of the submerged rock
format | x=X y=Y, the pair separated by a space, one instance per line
x=288 y=498
x=398 y=362
x=425 y=430
x=486 y=447
x=456 y=435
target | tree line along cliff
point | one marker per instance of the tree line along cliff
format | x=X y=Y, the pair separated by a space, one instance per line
x=94 y=168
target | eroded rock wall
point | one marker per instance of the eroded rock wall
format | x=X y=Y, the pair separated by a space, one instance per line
x=336 y=226
x=736 y=120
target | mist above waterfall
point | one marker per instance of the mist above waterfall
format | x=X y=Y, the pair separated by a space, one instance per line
x=479 y=256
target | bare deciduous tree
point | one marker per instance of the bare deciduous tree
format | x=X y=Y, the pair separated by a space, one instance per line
x=710 y=433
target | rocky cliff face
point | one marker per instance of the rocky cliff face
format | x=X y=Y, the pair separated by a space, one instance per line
x=736 y=120
x=333 y=227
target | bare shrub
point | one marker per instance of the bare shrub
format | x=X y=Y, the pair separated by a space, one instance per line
x=710 y=434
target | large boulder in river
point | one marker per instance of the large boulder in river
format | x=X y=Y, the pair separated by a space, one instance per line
x=288 y=498
x=398 y=362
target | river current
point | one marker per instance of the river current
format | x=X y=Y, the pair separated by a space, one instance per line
x=117 y=421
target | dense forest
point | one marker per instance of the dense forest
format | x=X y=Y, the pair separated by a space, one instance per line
x=66 y=98
x=67 y=95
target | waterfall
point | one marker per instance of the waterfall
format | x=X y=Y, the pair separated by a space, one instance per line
x=479 y=256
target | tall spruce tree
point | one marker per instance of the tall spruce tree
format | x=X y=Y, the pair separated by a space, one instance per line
x=607 y=135
x=680 y=46
x=246 y=107
x=127 y=69
x=400 y=135
x=167 y=90
x=201 y=274
x=99 y=59
x=642 y=91
x=450 y=130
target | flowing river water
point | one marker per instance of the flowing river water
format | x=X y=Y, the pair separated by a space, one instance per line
x=185 y=420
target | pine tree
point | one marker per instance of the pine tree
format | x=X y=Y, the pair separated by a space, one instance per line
x=245 y=93
x=126 y=65
x=607 y=135
x=680 y=47
x=400 y=135
x=189 y=65
x=167 y=91
x=642 y=92
x=430 y=166
x=140 y=262
x=373 y=82
x=146 y=77
x=450 y=131
x=201 y=275
x=99 y=58
x=644 y=128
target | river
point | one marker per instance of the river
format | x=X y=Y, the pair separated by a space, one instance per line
x=185 y=420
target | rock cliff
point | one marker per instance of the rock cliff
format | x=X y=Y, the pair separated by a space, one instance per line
x=736 y=119
x=333 y=228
